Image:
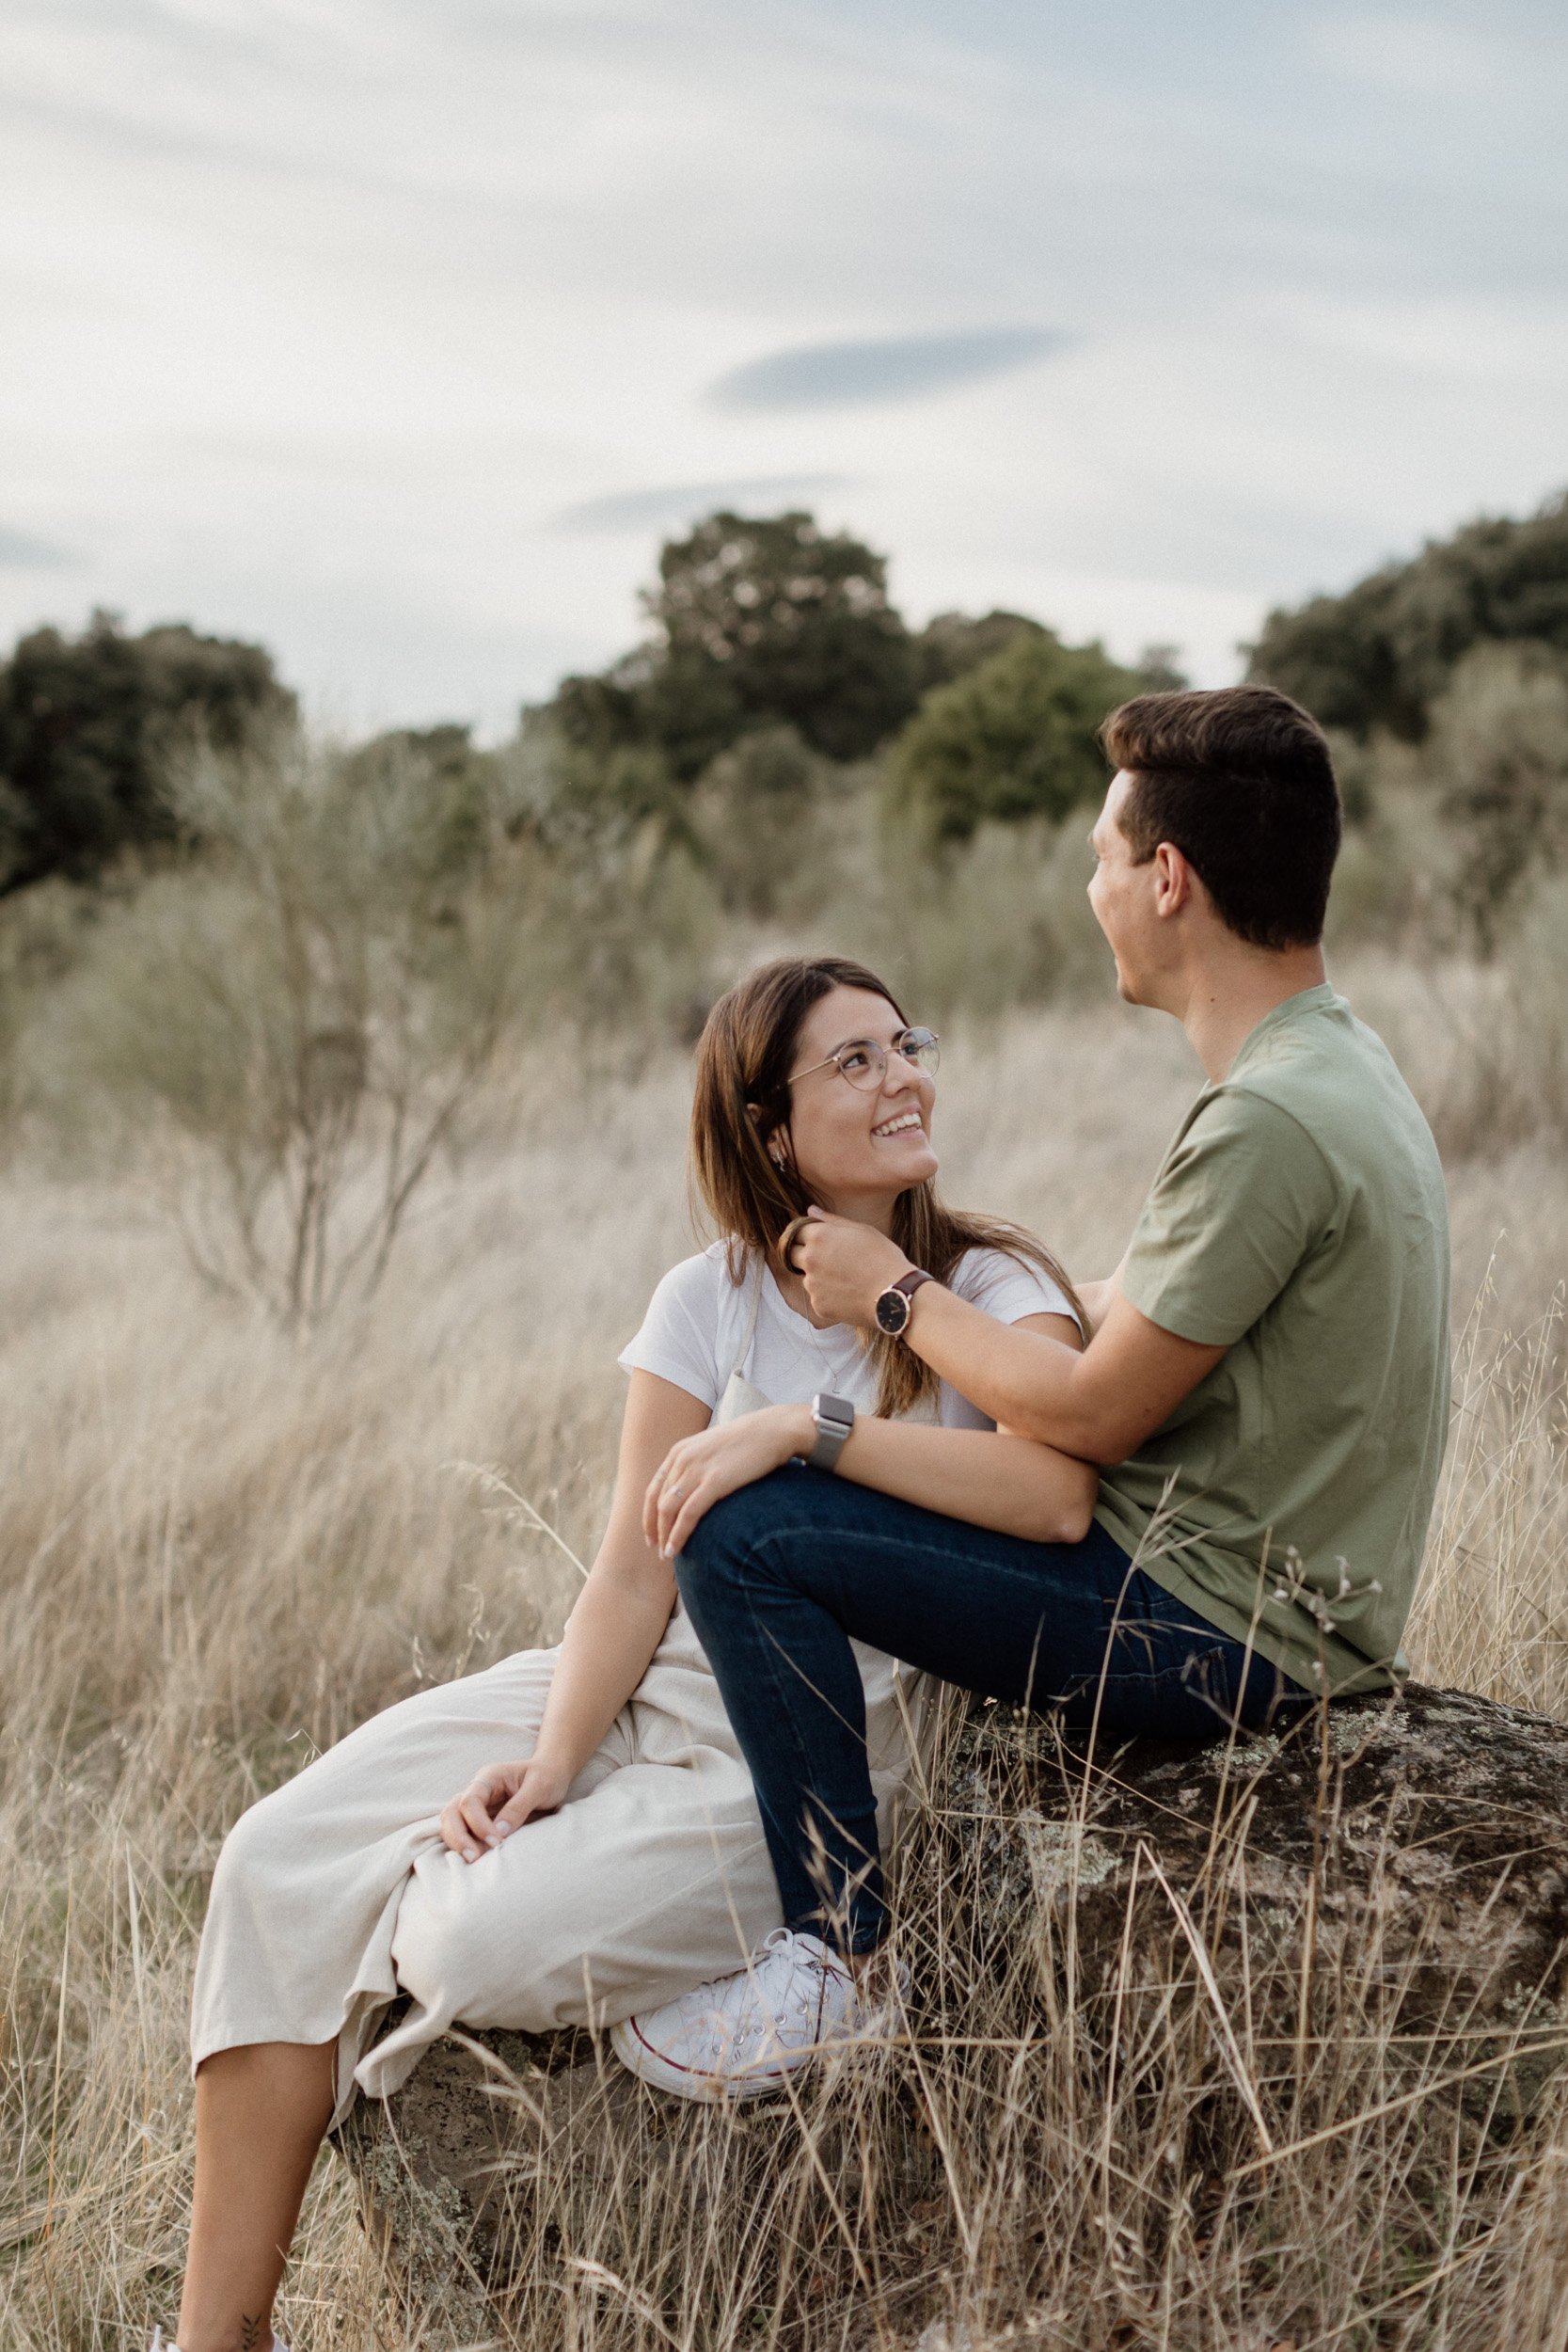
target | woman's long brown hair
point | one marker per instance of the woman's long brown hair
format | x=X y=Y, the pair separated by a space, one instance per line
x=744 y=1057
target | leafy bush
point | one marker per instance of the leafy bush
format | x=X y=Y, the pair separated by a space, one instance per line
x=87 y=725
x=1015 y=738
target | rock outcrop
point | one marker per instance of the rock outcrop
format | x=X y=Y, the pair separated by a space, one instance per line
x=1393 y=1868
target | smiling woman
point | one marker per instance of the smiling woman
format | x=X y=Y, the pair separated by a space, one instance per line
x=607 y=1850
x=813 y=1092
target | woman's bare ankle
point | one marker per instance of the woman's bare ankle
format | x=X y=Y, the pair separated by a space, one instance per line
x=247 y=2334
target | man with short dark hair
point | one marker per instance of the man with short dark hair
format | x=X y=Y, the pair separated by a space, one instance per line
x=1266 y=1386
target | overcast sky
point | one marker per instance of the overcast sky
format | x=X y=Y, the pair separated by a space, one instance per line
x=398 y=332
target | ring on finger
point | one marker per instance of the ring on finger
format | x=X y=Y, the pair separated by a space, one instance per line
x=787 y=1240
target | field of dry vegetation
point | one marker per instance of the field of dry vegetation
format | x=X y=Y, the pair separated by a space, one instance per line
x=223 y=1546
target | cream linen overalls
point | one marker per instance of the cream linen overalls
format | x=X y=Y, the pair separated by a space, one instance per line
x=335 y=1893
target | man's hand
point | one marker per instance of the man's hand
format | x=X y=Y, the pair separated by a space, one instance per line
x=1098 y=1298
x=846 y=1268
x=498 y=1801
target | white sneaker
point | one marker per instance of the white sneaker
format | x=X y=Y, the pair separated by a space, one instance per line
x=742 y=2036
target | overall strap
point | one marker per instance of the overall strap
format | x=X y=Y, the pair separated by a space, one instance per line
x=756 y=1279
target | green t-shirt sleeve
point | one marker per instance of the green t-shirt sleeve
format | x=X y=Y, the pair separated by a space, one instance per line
x=1244 y=1196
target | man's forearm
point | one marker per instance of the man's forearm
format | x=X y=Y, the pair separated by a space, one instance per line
x=1100 y=1404
x=1026 y=1381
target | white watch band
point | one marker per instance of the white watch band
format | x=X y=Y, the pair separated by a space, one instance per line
x=834 y=1418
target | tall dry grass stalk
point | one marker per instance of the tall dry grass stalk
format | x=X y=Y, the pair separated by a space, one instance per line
x=221 y=1549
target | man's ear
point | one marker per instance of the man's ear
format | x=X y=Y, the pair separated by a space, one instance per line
x=1174 y=880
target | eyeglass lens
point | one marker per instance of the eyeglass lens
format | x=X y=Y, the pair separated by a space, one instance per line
x=864 y=1064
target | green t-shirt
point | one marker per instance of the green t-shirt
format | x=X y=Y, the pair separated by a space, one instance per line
x=1299 y=1221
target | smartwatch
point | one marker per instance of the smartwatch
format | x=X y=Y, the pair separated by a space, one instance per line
x=893 y=1307
x=835 y=1417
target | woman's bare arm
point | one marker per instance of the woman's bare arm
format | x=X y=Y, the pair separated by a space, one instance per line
x=1000 y=1480
x=616 y=1624
x=991 y=1478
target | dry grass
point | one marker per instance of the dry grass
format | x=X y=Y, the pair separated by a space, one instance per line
x=220 y=1551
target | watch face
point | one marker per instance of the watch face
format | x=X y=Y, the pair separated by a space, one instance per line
x=893 y=1312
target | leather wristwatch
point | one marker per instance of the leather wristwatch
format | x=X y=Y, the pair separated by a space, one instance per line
x=893 y=1307
x=835 y=1417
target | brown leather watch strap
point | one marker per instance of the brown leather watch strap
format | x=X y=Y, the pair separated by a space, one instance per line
x=894 y=1304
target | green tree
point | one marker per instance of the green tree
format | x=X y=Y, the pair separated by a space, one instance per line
x=1379 y=654
x=766 y=621
x=793 y=622
x=953 y=644
x=678 y=707
x=1015 y=738
x=89 y=722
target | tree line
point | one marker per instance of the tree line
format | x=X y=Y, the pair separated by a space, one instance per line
x=301 y=1016
x=773 y=663
x=766 y=637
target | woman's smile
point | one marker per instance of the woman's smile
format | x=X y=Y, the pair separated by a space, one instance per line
x=900 y=1124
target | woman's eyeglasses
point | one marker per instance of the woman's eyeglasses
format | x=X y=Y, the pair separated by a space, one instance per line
x=864 y=1063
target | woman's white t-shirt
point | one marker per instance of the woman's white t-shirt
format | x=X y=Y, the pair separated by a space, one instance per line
x=699 y=1328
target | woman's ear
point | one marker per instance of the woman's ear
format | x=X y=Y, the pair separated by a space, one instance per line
x=777 y=1144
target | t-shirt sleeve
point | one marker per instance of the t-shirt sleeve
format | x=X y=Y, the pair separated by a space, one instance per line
x=1010 y=1288
x=679 y=1335
x=1244 y=1196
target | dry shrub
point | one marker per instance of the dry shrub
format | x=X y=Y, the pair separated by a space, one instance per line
x=1485 y=1046
x=1500 y=752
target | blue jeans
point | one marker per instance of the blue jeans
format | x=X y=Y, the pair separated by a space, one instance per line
x=777 y=1579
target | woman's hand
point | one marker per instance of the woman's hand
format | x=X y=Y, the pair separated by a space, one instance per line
x=498 y=1801
x=695 y=1474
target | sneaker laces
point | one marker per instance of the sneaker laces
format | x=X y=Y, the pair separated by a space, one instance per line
x=777 y=2002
